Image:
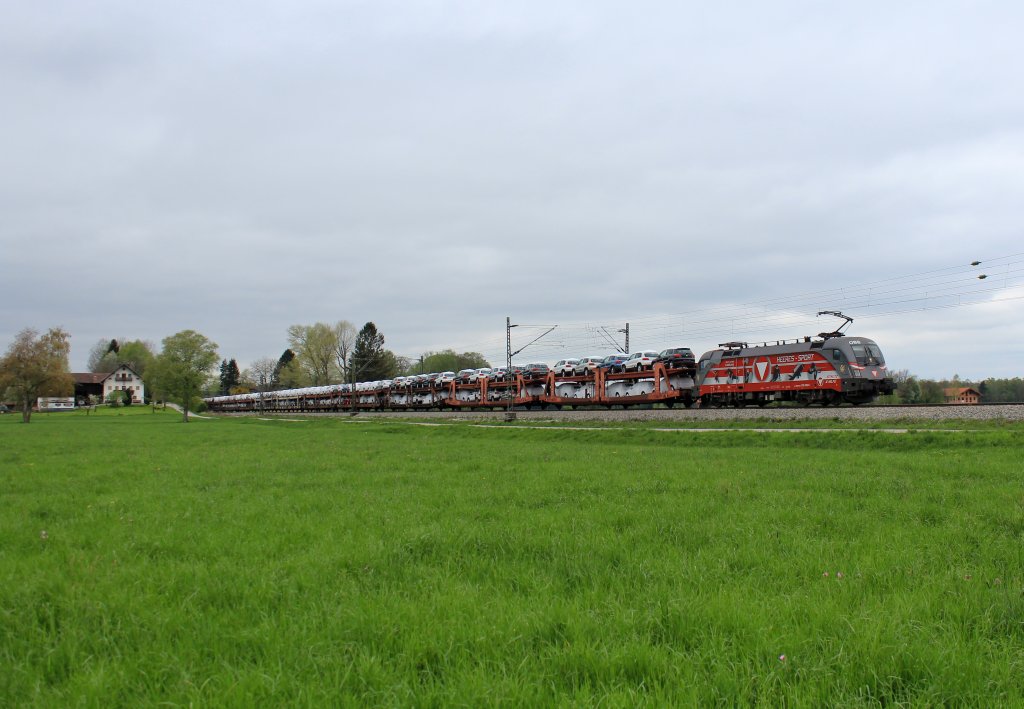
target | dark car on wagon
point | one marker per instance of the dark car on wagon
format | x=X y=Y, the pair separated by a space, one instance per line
x=535 y=370
x=676 y=357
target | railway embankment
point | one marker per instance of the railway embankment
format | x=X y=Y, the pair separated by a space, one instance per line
x=867 y=414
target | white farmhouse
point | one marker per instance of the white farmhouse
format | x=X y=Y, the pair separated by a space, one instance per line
x=125 y=379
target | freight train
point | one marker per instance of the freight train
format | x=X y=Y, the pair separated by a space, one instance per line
x=829 y=369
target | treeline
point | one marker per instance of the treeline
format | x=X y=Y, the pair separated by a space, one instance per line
x=323 y=353
x=914 y=390
x=36 y=364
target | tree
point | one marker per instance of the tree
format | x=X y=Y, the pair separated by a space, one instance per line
x=399 y=364
x=368 y=360
x=316 y=348
x=108 y=355
x=908 y=389
x=137 y=354
x=283 y=361
x=229 y=376
x=183 y=367
x=1002 y=390
x=451 y=361
x=258 y=375
x=931 y=392
x=36 y=365
x=103 y=356
x=345 y=334
x=287 y=373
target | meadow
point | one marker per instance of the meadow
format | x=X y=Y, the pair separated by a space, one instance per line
x=238 y=562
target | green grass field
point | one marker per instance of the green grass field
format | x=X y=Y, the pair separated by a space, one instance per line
x=239 y=562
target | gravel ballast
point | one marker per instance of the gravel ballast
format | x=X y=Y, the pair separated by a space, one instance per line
x=1009 y=412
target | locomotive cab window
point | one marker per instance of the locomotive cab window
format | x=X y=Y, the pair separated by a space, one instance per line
x=837 y=355
x=868 y=355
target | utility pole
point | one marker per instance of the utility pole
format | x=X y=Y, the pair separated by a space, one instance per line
x=509 y=374
x=352 y=384
x=613 y=342
x=509 y=415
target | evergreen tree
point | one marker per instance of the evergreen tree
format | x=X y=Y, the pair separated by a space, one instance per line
x=229 y=376
x=234 y=375
x=282 y=362
x=370 y=360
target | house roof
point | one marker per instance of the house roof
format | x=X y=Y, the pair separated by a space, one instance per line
x=99 y=377
x=89 y=377
x=123 y=366
x=960 y=391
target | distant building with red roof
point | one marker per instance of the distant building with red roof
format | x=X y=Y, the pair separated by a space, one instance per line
x=962 y=395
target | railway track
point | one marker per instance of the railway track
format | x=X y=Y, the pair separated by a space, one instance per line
x=933 y=412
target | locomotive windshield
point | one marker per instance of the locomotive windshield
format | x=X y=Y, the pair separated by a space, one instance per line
x=868 y=355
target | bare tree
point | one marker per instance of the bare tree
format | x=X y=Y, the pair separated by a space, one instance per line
x=103 y=356
x=346 y=334
x=261 y=373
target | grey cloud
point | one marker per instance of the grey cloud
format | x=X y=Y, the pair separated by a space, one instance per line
x=436 y=166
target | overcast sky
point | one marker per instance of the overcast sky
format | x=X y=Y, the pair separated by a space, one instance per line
x=434 y=167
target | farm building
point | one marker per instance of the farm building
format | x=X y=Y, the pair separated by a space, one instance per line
x=100 y=384
x=962 y=395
